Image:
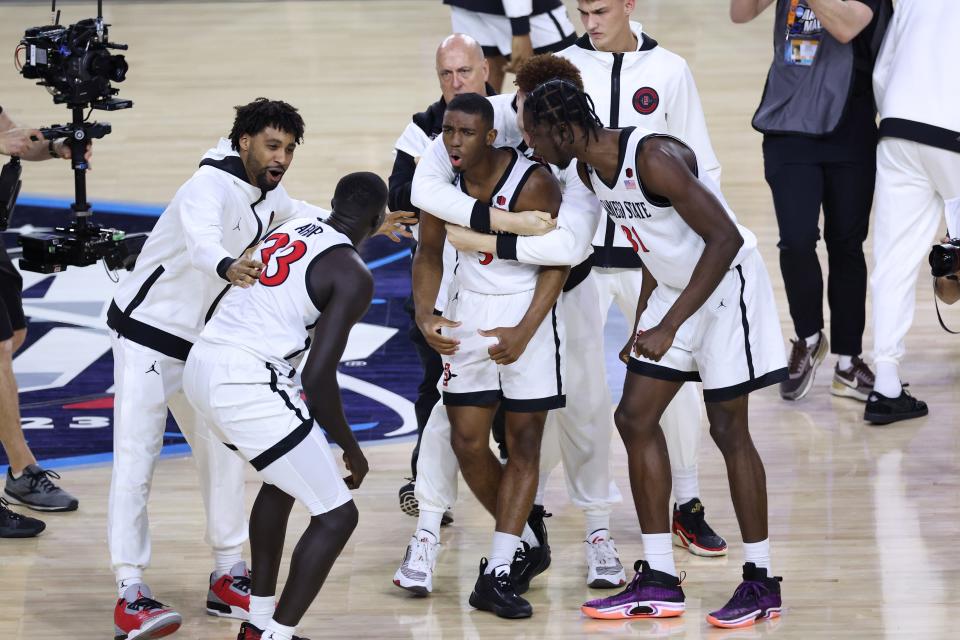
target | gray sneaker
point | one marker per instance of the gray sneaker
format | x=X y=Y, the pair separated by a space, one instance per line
x=802 y=367
x=34 y=489
x=855 y=382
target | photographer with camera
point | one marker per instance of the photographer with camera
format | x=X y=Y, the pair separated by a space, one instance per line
x=26 y=482
x=918 y=182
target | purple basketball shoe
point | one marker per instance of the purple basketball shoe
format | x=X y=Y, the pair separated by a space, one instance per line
x=757 y=598
x=651 y=594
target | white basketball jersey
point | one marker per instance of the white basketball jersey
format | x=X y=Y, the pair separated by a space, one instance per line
x=484 y=272
x=666 y=244
x=274 y=318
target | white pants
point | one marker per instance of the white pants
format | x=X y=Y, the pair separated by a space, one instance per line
x=146 y=383
x=578 y=434
x=681 y=421
x=915 y=182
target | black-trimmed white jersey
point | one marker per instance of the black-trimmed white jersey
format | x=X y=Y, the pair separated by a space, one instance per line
x=275 y=317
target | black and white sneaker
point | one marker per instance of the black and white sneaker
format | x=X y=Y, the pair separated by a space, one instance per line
x=410 y=506
x=34 y=489
x=14 y=525
x=883 y=410
x=497 y=593
x=528 y=563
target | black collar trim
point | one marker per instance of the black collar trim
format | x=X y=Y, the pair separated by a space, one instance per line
x=230 y=164
x=646 y=44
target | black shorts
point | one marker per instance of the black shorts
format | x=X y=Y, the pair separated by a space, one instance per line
x=11 y=303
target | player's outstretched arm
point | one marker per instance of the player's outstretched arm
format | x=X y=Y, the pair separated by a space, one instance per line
x=664 y=165
x=342 y=287
x=427 y=274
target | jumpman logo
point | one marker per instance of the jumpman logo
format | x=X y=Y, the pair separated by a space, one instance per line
x=237 y=228
x=722 y=305
x=153 y=368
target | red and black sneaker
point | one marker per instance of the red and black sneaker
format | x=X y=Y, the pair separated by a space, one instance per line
x=250 y=632
x=691 y=531
x=138 y=615
x=229 y=595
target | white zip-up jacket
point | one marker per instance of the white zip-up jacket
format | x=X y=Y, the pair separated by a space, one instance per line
x=651 y=88
x=180 y=275
x=915 y=81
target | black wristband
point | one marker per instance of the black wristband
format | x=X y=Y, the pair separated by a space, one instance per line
x=506 y=246
x=222 y=267
x=480 y=217
x=520 y=26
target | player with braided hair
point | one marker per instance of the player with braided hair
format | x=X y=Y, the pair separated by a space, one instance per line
x=706 y=313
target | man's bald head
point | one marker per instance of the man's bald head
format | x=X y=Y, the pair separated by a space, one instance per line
x=461 y=67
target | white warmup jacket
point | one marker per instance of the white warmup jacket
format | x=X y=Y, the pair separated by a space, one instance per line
x=181 y=273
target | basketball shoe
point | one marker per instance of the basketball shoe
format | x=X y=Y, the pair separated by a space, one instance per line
x=34 y=489
x=410 y=506
x=416 y=572
x=757 y=598
x=498 y=594
x=250 y=632
x=691 y=531
x=138 y=615
x=529 y=562
x=651 y=594
x=229 y=595
x=604 y=570
x=15 y=525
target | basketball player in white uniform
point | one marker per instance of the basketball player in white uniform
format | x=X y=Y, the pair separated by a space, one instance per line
x=192 y=258
x=634 y=81
x=580 y=433
x=501 y=342
x=705 y=313
x=240 y=377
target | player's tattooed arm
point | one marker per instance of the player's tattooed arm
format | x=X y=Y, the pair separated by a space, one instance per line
x=343 y=287
x=427 y=274
x=665 y=166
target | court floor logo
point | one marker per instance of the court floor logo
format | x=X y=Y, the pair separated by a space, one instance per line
x=65 y=369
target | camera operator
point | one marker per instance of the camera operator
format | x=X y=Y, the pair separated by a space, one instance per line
x=918 y=180
x=27 y=483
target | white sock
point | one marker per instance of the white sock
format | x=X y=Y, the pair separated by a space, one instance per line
x=529 y=536
x=812 y=340
x=759 y=554
x=277 y=631
x=686 y=484
x=261 y=610
x=888 y=380
x=658 y=552
x=430 y=521
x=224 y=562
x=844 y=363
x=596 y=522
x=501 y=553
x=127 y=576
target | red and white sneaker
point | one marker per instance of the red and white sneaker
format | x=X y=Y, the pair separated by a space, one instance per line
x=250 y=632
x=229 y=595
x=138 y=615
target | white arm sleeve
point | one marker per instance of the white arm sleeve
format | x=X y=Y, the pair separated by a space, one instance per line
x=686 y=121
x=433 y=189
x=569 y=243
x=201 y=211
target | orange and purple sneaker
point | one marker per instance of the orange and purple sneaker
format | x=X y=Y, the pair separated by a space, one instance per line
x=757 y=598
x=651 y=594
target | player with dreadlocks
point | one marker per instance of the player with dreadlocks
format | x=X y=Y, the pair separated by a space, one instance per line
x=706 y=313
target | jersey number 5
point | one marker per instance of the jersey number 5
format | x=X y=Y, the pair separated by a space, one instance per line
x=634 y=239
x=291 y=252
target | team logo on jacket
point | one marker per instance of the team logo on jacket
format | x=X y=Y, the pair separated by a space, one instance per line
x=447 y=374
x=501 y=200
x=646 y=100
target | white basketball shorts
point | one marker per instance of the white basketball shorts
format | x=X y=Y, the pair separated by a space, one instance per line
x=548 y=31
